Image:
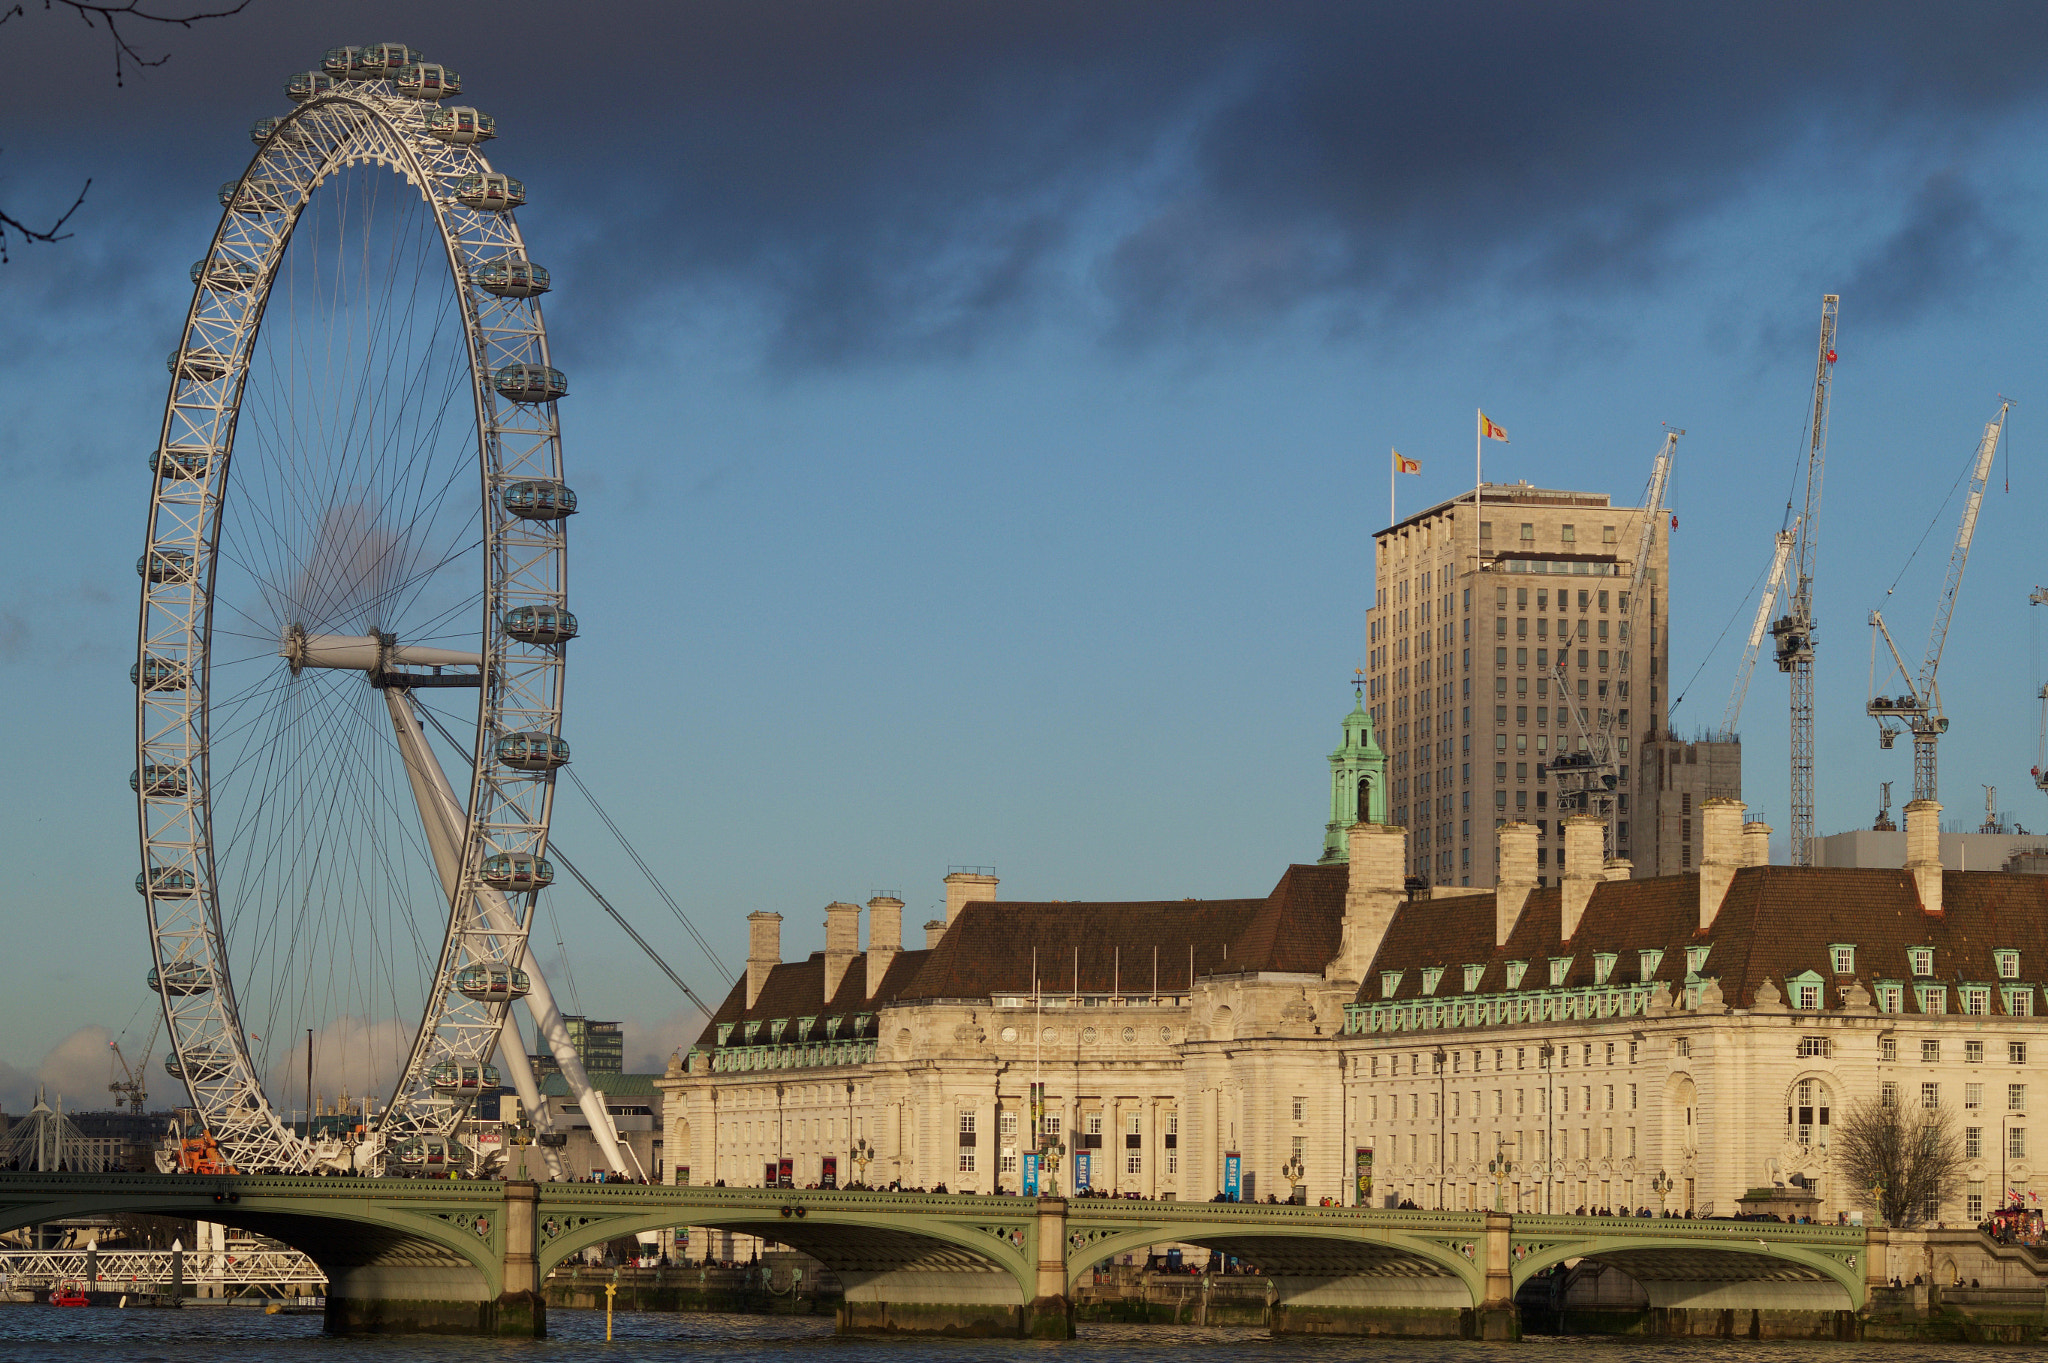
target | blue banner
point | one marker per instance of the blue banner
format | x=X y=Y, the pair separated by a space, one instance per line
x=1030 y=1173
x=1081 y=1162
x=1233 y=1164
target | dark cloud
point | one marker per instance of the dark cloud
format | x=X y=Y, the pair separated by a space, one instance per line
x=1947 y=249
x=906 y=179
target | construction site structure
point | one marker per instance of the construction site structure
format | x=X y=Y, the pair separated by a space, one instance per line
x=1793 y=631
x=1731 y=718
x=1917 y=709
x=1588 y=775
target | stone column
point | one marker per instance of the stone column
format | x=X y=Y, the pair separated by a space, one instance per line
x=1050 y=1315
x=1497 y=1317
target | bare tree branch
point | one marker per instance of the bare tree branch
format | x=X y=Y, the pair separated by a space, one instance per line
x=54 y=232
x=96 y=13
x=1898 y=1160
x=111 y=15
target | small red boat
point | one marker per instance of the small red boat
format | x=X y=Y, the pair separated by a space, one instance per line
x=68 y=1296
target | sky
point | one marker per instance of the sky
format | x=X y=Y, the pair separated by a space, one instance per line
x=981 y=413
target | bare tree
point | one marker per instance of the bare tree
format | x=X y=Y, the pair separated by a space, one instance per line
x=1899 y=1160
x=100 y=15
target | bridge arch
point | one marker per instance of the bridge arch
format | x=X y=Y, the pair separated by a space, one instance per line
x=419 y=1240
x=1695 y=1263
x=1437 y=1265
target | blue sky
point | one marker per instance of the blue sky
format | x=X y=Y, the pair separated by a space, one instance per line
x=981 y=412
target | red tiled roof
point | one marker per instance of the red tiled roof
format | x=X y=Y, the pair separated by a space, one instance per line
x=1775 y=922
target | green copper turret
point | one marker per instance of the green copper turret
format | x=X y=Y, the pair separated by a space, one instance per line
x=1358 y=783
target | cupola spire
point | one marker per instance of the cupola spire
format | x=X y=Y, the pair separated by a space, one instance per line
x=1358 y=779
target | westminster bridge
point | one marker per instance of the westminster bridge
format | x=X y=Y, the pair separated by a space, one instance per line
x=450 y=1256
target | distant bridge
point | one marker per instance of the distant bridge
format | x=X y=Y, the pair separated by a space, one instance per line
x=447 y=1256
x=264 y=1272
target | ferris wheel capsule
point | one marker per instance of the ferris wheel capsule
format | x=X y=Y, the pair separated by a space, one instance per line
x=339 y=62
x=158 y=674
x=517 y=872
x=181 y=461
x=490 y=191
x=452 y=1078
x=512 y=277
x=533 y=752
x=226 y=274
x=461 y=125
x=162 y=779
x=492 y=984
x=377 y=61
x=526 y=382
x=542 y=625
x=166 y=882
x=202 y=365
x=305 y=85
x=426 y=80
x=183 y=979
x=165 y=565
x=539 y=500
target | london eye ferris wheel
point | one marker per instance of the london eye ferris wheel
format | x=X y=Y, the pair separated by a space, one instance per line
x=353 y=628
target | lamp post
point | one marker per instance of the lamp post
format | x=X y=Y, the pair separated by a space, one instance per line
x=860 y=1157
x=849 y=1126
x=1502 y=1168
x=1662 y=1185
x=1443 y=1115
x=1545 y=1054
x=776 y=1182
x=1294 y=1172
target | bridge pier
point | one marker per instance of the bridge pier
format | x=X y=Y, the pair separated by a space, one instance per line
x=401 y=1294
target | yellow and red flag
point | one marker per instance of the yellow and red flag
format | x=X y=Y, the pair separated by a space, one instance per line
x=1489 y=430
x=1403 y=464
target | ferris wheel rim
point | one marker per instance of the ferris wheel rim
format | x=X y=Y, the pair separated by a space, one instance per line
x=516 y=678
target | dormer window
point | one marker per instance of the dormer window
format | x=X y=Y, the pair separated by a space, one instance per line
x=1603 y=966
x=2008 y=964
x=1473 y=974
x=724 y=1032
x=1560 y=966
x=1430 y=975
x=776 y=1028
x=1843 y=956
x=1696 y=957
x=753 y=1032
x=1921 y=959
x=1804 y=990
x=1390 y=983
x=803 y=1028
x=1516 y=970
x=832 y=1027
x=1651 y=957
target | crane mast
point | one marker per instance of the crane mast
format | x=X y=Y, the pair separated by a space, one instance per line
x=1587 y=778
x=1793 y=631
x=1731 y=719
x=1918 y=708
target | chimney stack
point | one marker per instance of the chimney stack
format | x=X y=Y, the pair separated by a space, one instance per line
x=764 y=950
x=964 y=887
x=1375 y=880
x=842 y=943
x=1721 y=853
x=1923 y=851
x=1585 y=836
x=1617 y=868
x=1756 y=843
x=1514 y=859
x=934 y=933
x=885 y=938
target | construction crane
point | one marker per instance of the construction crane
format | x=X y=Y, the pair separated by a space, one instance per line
x=1586 y=779
x=127 y=1082
x=1917 y=709
x=1793 y=631
x=2040 y=773
x=1731 y=718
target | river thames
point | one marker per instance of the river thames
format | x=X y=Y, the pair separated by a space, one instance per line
x=34 y=1334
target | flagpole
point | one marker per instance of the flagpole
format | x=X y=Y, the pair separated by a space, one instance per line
x=1393 y=463
x=1478 y=482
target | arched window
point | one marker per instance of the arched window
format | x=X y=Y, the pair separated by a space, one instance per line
x=1807 y=1115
